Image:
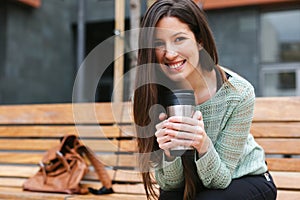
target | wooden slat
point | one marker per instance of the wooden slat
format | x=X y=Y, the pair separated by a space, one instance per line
x=120 y=160
x=119 y=188
x=81 y=113
x=281 y=194
x=277 y=109
x=130 y=176
x=286 y=180
x=103 y=112
x=288 y=195
x=126 y=176
x=273 y=130
x=97 y=131
x=280 y=146
x=11 y=182
x=17 y=193
x=16 y=184
x=20 y=158
x=17 y=171
x=127 y=160
x=283 y=180
x=9 y=193
x=284 y=164
x=59 y=131
x=116 y=196
x=34 y=158
x=129 y=188
x=45 y=144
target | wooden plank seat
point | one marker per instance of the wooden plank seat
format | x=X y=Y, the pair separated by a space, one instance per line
x=27 y=131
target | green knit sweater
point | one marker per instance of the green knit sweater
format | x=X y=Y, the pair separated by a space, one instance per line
x=233 y=152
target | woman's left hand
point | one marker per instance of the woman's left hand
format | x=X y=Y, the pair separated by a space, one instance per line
x=189 y=132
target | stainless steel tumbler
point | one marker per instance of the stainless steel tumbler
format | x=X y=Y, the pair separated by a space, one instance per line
x=180 y=103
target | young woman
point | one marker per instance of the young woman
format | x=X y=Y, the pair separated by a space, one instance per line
x=180 y=52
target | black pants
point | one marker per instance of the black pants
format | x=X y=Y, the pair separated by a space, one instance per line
x=258 y=187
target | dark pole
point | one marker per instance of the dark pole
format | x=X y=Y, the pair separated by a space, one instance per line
x=80 y=46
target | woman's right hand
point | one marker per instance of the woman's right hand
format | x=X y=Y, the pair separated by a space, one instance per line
x=162 y=137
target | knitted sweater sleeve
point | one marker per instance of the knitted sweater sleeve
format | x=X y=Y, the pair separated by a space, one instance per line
x=216 y=167
x=170 y=174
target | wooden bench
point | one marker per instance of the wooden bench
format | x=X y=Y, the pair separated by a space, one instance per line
x=276 y=127
x=27 y=131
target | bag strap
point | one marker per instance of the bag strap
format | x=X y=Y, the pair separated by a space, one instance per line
x=97 y=164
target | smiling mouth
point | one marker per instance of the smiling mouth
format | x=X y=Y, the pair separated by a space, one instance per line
x=176 y=65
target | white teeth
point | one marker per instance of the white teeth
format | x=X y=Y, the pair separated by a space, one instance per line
x=174 y=66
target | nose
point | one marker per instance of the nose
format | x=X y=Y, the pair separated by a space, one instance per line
x=170 y=53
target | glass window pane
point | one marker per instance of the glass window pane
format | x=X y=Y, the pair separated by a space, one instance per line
x=280 y=36
x=280 y=83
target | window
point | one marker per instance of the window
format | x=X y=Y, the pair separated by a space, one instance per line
x=281 y=80
x=280 y=53
x=280 y=36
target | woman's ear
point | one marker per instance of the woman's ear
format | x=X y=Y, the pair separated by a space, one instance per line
x=200 y=46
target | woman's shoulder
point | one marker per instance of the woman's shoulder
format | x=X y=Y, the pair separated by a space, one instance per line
x=237 y=85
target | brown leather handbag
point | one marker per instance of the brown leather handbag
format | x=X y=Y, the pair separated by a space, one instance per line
x=63 y=167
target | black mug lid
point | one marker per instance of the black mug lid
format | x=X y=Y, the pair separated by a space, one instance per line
x=179 y=97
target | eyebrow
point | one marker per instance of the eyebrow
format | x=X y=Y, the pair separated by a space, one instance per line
x=179 y=34
x=174 y=35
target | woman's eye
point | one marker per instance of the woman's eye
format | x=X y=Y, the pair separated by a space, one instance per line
x=158 y=44
x=179 y=39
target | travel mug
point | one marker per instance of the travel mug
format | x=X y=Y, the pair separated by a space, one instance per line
x=180 y=103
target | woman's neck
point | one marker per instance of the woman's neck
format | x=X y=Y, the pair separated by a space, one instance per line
x=204 y=84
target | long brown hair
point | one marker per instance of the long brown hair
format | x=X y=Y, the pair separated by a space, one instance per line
x=149 y=92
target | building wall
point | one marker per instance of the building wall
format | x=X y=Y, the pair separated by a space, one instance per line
x=236 y=34
x=38 y=48
x=39 y=54
x=2 y=43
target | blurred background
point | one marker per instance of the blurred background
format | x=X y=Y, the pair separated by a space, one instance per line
x=43 y=42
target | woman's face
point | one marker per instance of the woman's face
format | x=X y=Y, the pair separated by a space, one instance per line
x=176 y=48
